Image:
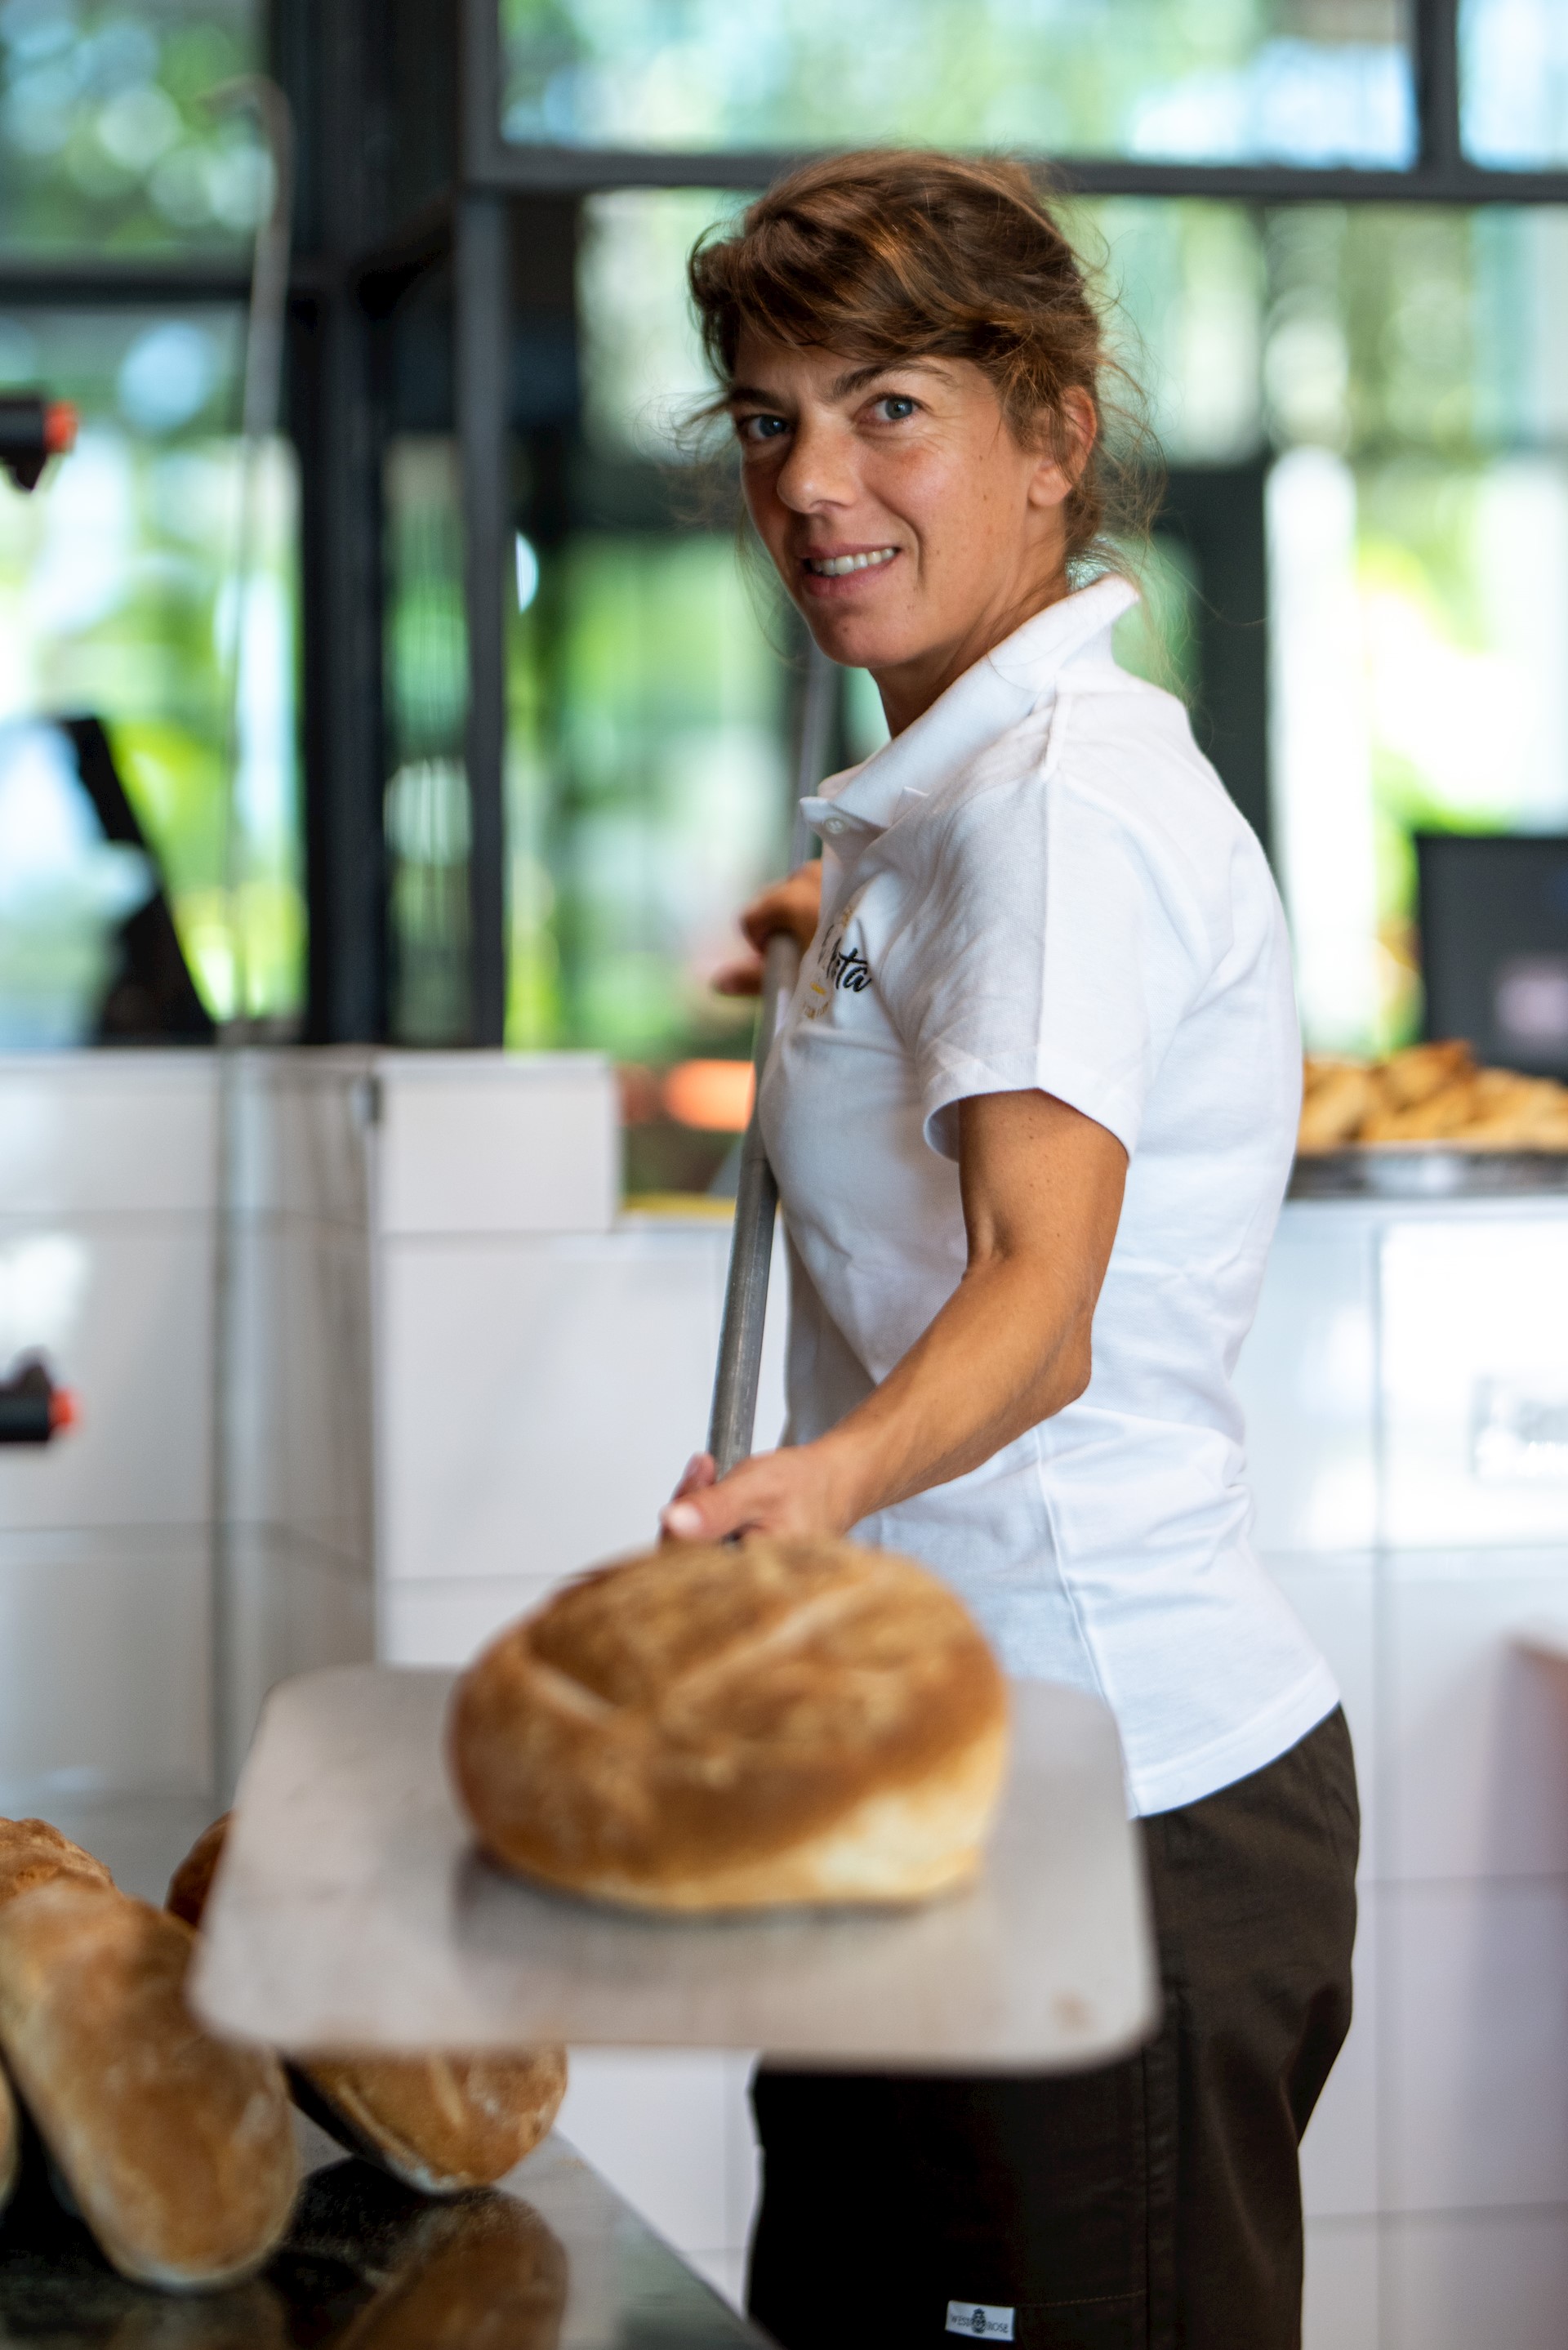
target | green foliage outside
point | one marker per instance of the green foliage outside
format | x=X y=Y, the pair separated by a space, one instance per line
x=109 y=136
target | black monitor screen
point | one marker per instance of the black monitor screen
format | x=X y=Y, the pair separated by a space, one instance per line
x=1494 y=945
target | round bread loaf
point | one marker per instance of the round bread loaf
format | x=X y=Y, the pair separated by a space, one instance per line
x=178 y=2149
x=33 y=1853
x=715 y=1728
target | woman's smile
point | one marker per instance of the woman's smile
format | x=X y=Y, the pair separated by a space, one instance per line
x=832 y=572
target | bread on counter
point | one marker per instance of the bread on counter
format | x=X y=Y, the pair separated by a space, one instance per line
x=192 y=1880
x=442 y=2124
x=10 y=2142
x=733 y=1728
x=33 y=1853
x=178 y=2149
x=1428 y=1093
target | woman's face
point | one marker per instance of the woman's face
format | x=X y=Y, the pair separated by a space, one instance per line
x=907 y=523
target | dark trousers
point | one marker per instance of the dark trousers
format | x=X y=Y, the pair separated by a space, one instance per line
x=1153 y=2205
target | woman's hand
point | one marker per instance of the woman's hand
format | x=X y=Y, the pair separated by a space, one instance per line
x=800 y=1490
x=792 y=906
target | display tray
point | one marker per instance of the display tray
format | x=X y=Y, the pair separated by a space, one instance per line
x=553 y=2261
x=1425 y=1171
x=351 y=1910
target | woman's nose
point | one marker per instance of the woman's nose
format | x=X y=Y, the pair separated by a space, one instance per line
x=817 y=472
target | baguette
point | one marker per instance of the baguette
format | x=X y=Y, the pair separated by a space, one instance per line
x=177 y=2148
x=440 y=2124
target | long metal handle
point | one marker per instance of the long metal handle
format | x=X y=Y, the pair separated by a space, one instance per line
x=734 y=1414
x=733 y=1420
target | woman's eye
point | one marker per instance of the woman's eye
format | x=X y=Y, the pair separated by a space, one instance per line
x=757 y=429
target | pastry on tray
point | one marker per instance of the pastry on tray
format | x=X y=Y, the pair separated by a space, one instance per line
x=1432 y=1093
x=737 y=1728
x=177 y=2148
x=443 y=2123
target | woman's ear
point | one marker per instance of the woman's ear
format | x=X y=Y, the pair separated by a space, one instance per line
x=1068 y=443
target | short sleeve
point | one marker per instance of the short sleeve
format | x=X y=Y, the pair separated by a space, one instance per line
x=1056 y=945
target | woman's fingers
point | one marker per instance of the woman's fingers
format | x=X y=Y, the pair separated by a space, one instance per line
x=792 y=906
x=792 y=1491
x=741 y=977
x=700 y=1470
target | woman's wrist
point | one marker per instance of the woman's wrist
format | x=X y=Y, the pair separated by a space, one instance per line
x=845 y=1477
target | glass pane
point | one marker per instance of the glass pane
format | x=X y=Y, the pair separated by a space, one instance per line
x=1418 y=525
x=1308 y=81
x=1513 y=64
x=64 y=889
x=650 y=774
x=111 y=136
x=426 y=803
x=118 y=597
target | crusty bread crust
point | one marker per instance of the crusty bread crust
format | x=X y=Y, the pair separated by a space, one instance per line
x=178 y=2148
x=442 y=2124
x=10 y=2142
x=192 y=1880
x=711 y=1728
x=33 y=1853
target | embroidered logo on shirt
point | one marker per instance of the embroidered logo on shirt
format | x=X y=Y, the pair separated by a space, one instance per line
x=840 y=969
x=850 y=970
x=979 y=2321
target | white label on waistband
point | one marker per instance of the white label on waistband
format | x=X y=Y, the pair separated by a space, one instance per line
x=978 y=2322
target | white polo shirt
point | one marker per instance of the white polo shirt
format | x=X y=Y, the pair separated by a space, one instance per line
x=1043 y=883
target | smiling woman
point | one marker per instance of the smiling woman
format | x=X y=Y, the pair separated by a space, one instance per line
x=1031 y=1111
x=975 y=354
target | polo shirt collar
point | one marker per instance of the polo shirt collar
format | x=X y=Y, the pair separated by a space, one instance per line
x=1010 y=681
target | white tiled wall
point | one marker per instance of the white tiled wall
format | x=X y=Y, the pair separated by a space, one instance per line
x=1436 y=2171
x=107 y=1182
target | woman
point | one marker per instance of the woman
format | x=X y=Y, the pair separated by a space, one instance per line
x=1032 y=1111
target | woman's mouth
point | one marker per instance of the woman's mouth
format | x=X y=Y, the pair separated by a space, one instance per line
x=828 y=575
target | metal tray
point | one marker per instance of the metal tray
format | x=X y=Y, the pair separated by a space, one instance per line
x=1425 y=1171
x=351 y=1911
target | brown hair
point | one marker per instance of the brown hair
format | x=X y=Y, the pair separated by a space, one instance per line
x=906 y=254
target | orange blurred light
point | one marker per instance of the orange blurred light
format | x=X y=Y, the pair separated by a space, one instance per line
x=714 y=1095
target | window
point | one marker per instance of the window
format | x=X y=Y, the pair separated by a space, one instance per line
x=119 y=596
x=1310 y=82
x=112 y=134
x=1514 y=65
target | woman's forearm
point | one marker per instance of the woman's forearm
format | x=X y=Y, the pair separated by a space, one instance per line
x=1010 y=1347
x=1042 y=1195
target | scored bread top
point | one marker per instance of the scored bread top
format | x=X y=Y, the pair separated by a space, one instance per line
x=702 y=1706
x=33 y=1853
